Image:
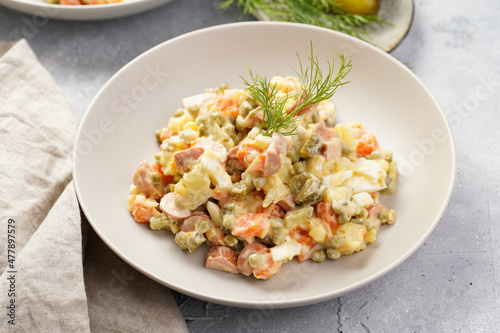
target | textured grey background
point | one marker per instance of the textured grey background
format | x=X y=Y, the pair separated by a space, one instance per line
x=452 y=283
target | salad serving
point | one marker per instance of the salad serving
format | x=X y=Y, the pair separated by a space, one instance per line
x=263 y=175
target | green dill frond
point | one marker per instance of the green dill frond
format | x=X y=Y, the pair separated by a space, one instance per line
x=315 y=88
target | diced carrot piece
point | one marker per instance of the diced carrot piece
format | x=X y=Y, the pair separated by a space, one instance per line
x=167 y=179
x=140 y=213
x=273 y=210
x=367 y=143
x=143 y=214
x=307 y=242
x=247 y=153
x=251 y=225
x=268 y=268
x=220 y=194
x=374 y=210
x=221 y=258
x=227 y=105
x=329 y=219
x=232 y=155
x=166 y=133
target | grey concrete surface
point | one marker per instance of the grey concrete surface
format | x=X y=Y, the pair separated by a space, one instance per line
x=452 y=283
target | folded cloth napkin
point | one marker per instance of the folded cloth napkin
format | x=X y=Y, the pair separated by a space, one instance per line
x=57 y=275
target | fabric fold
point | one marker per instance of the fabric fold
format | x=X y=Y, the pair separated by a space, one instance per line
x=46 y=284
x=50 y=292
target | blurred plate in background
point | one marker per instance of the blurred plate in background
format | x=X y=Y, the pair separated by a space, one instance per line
x=82 y=13
x=397 y=13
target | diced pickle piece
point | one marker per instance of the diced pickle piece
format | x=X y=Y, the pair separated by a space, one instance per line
x=306 y=188
x=159 y=222
x=298 y=215
x=189 y=240
x=312 y=146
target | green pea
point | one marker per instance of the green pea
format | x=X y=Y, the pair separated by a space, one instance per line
x=299 y=167
x=346 y=151
x=384 y=216
x=336 y=241
x=333 y=253
x=228 y=221
x=158 y=135
x=259 y=182
x=343 y=218
x=203 y=226
x=230 y=240
x=156 y=178
x=279 y=238
x=245 y=108
x=318 y=255
x=255 y=260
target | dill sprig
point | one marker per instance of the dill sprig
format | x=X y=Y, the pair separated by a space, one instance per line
x=322 y=13
x=274 y=116
x=315 y=88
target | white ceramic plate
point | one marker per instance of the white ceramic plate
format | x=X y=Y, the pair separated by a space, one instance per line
x=397 y=13
x=82 y=13
x=118 y=131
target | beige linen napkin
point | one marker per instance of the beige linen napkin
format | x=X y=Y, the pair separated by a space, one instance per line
x=44 y=286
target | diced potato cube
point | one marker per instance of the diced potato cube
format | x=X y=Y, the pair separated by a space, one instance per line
x=345 y=134
x=315 y=165
x=286 y=250
x=318 y=233
x=352 y=237
x=191 y=125
x=340 y=193
x=262 y=141
x=196 y=181
x=134 y=190
x=176 y=124
x=337 y=178
x=371 y=236
x=362 y=199
x=275 y=190
x=361 y=184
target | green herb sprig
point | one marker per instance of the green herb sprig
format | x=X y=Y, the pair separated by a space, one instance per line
x=322 y=13
x=315 y=88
